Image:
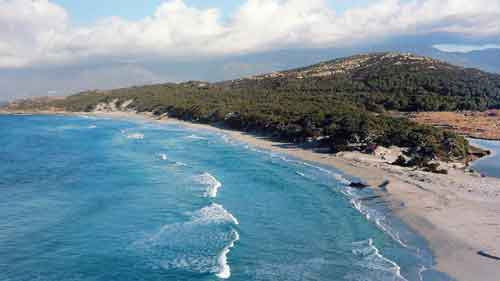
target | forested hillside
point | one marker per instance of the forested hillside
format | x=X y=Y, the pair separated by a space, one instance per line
x=388 y=81
x=339 y=104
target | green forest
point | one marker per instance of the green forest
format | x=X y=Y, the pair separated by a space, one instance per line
x=294 y=117
x=340 y=105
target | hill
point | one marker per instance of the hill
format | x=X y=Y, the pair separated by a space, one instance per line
x=338 y=104
x=388 y=81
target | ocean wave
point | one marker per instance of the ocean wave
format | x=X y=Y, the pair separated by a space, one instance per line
x=180 y=164
x=196 y=137
x=369 y=257
x=231 y=141
x=342 y=179
x=421 y=272
x=224 y=268
x=92 y=127
x=89 y=117
x=211 y=183
x=225 y=138
x=69 y=127
x=326 y=171
x=164 y=157
x=199 y=245
x=135 y=136
x=379 y=219
x=214 y=213
x=301 y=174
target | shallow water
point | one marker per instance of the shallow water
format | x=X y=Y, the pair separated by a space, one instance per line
x=97 y=199
x=489 y=166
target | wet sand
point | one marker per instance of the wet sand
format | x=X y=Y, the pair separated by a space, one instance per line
x=458 y=213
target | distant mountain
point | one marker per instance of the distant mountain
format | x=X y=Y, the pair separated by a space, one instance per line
x=487 y=60
x=65 y=80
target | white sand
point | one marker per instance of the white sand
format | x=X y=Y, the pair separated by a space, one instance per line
x=458 y=213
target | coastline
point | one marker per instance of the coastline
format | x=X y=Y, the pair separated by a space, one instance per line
x=458 y=214
x=493 y=153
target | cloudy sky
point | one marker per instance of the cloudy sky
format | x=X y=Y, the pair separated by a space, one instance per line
x=63 y=46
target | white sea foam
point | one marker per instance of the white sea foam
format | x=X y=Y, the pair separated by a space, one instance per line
x=135 y=136
x=369 y=257
x=231 y=141
x=341 y=179
x=200 y=245
x=379 y=220
x=317 y=168
x=214 y=213
x=211 y=183
x=196 y=137
x=226 y=138
x=224 y=268
x=164 y=157
x=180 y=164
x=421 y=273
x=92 y=127
x=301 y=174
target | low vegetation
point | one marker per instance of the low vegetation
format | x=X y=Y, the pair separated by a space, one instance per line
x=340 y=105
x=322 y=119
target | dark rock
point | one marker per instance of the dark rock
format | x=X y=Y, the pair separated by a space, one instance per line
x=358 y=185
x=371 y=148
x=486 y=255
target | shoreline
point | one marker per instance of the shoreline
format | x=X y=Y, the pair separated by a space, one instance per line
x=493 y=152
x=458 y=214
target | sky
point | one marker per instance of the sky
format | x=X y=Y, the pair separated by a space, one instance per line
x=88 y=11
x=114 y=43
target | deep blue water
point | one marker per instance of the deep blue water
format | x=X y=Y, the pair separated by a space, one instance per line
x=97 y=199
x=489 y=166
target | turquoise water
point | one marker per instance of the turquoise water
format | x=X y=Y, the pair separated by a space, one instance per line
x=489 y=166
x=98 y=199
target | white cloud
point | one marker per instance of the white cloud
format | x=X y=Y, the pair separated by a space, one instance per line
x=27 y=29
x=461 y=48
x=38 y=32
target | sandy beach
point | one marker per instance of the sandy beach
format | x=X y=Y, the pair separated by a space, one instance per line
x=458 y=213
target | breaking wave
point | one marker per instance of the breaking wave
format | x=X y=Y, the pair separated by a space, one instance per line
x=379 y=219
x=135 y=136
x=211 y=183
x=378 y=267
x=214 y=213
x=195 y=137
x=301 y=174
x=224 y=268
x=200 y=245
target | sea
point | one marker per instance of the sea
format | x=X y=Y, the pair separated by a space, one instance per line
x=490 y=165
x=86 y=198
